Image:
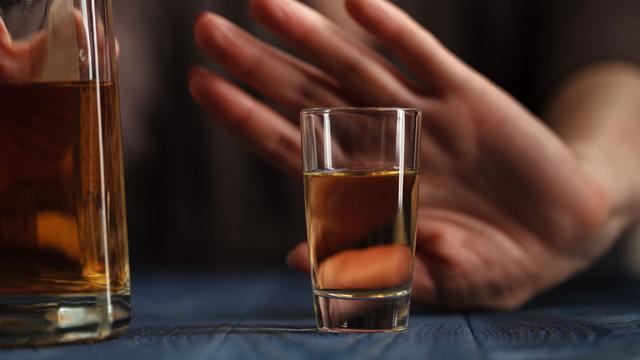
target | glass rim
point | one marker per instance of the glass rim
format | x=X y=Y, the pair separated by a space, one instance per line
x=359 y=110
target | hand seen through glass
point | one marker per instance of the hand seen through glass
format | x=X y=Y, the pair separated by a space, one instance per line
x=507 y=208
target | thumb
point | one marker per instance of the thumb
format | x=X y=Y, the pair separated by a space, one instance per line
x=423 y=290
x=298 y=258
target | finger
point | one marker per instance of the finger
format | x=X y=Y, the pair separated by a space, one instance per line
x=22 y=60
x=5 y=36
x=359 y=69
x=298 y=258
x=340 y=221
x=288 y=81
x=83 y=40
x=271 y=135
x=5 y=52
x=377 y=267
x=423 y=290
x=418 y=48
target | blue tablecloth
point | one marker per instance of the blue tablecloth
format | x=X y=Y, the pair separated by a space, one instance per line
x=267 y=314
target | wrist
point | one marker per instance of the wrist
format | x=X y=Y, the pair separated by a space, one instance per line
x=595 y=112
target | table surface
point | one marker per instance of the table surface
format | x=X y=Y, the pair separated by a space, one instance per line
x=267 y=314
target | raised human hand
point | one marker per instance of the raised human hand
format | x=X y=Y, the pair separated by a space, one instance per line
x=506 y=208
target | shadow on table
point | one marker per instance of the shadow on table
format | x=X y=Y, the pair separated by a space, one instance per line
x=205 y=330
x=151 y=333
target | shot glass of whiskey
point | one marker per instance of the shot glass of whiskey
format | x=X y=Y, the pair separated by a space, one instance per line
x=64 y=267
x=361 y=191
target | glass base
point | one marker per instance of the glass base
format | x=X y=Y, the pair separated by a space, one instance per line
x=362 y=311
x=50 y=320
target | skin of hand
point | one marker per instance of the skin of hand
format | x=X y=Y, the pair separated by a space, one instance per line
x=23 y=59
x=507 y=209
x=32 y=145
x=341 y=214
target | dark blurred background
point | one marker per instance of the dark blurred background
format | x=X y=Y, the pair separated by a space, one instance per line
x=196 y=196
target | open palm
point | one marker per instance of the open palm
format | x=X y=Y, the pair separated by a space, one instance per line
x=506 y=209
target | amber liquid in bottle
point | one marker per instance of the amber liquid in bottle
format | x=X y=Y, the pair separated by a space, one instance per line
x=62 y=220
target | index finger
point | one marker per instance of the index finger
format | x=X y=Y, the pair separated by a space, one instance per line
x=267 y=132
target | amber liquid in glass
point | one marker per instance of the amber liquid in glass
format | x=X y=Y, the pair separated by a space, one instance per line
x=361 y=245
x=62 y=220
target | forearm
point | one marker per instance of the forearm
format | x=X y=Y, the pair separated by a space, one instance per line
x=597 y=113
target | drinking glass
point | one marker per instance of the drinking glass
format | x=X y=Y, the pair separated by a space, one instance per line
x=361 y=192
x=64 y=272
